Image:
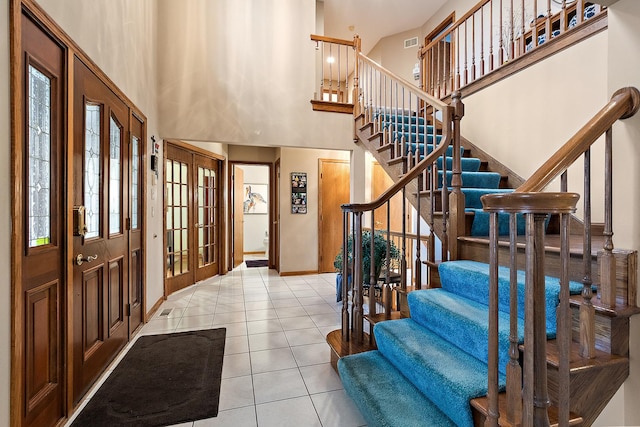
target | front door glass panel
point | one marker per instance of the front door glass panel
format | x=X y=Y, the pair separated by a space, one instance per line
x=115 y=177
x=92 y=169
x=39 y=182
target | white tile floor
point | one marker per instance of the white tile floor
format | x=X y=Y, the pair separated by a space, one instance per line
x=276 y=369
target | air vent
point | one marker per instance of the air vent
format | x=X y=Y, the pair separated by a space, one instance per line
x=166 y=312
x=410 y=42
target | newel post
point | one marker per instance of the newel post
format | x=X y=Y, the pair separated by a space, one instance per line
x=456 y=197
x=357 y=108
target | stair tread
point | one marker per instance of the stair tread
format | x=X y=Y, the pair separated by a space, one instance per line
x=374 y=385
x=481 y=404
x=381 y=317
x=461 y=321
x=449 y=376
x=578 y=362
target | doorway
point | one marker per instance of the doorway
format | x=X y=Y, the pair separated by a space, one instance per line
x=333 y=192
x=251 y=202
x=193 y=192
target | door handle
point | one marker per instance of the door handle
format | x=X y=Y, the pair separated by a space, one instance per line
x=80 y=259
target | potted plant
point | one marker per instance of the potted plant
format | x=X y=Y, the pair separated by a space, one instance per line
x=379 y=258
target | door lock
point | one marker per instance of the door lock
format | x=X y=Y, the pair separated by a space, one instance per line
x=80 y=259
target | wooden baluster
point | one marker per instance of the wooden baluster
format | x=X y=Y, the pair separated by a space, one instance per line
x=587 y=311
x=511 y=34
x=345 y=277
x=563 y=17
x=358 y=333
x=547 y=27
x=386 y=287
x=514 y=370
x=482 y=41
x=491 y=34
x=534 y=29
x=580 y=11
x=466 y=57
x=606 y=257
x=457 y=58
x=473 y=47
x=493 y=412
x=457 y=200
x=523 y=42
x=403 y=249
x=536 y=398
x=564 y=325
x=417 y=265
x=372 y=268
x=330 y=60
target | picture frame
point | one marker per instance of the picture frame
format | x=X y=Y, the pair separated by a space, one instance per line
x=255 y=199
x=299 y=192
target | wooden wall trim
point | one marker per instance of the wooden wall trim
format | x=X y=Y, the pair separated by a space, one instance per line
x=17 y=312
x=149 y=314
x=298 y=273
x=195 y=149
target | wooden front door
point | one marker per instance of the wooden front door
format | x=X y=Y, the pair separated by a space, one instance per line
x=334 y=191
x=207 y=205
x=38 y=377
x=100 y=242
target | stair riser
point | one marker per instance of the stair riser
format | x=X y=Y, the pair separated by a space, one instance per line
x=605 y=380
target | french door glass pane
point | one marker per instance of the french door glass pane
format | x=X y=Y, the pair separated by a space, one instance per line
x=115 y=177
x=135 y=176
x=92 y=169
x=206 y=217
x=177 y=218
x=39 y=182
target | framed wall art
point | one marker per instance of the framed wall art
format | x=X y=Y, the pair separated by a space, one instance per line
x=255 y=199
x=298 y=192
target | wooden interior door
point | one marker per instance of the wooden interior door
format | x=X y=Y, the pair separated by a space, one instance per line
x=100 y=248
x=134 y=225
x=179 y=218
x=334 y=191
x=207 y=215
x=38 y=378
x=238 y=216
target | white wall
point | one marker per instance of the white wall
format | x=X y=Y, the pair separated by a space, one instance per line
x=256 y=226
x=243 y=72
x=5 y=223
x=624 y=63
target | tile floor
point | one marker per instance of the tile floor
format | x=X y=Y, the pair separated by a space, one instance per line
x=276 y=369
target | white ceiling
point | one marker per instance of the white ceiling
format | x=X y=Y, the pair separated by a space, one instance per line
x=375 y=19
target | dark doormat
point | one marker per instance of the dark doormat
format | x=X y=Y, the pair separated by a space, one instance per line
x=162 y=380
x=257 y=262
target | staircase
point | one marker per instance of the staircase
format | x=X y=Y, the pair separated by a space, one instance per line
x=462 y=353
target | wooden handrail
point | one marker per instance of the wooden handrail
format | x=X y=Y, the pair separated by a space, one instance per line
x=325 y=39
x=440 y=105
x=624 y=103
x=409 y=176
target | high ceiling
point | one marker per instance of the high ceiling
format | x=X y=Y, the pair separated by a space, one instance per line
x=375 y=19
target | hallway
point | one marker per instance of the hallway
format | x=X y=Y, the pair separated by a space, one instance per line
x=276 y=369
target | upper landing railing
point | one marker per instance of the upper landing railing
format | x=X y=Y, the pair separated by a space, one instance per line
x=498 y=32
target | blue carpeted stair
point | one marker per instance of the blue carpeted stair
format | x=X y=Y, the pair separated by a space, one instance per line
x=428 y=367
x=420 y=140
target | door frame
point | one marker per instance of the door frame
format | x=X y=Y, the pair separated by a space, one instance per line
x=72 y=50
x=193 y=151
x=272 y=226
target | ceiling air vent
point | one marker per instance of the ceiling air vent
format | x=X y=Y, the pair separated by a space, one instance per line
x=410 y=42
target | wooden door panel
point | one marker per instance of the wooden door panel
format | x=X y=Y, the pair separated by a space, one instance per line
x=42 y=326
x=334 y=191
x=135 y=167
x=101 y=281
x=115 y=296
x=38 y=379
x=91 y=311
x=207 y=216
